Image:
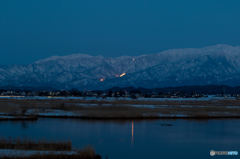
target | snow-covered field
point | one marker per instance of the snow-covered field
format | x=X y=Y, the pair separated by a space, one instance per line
x=112 y=107
x=50 y=113
x=27 y=153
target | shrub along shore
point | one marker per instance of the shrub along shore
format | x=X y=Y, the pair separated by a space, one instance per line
x=44 y=149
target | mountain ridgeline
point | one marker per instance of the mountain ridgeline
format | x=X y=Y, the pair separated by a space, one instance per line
x=218 y=65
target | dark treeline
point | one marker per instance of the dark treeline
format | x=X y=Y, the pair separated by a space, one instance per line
x=14 y=88
x=208 y=89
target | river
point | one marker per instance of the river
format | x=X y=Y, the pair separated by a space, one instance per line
x=136 y=139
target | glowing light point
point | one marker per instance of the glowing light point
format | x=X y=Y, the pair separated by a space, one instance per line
x=133 y=59
x=122 y=74
x=101 y=80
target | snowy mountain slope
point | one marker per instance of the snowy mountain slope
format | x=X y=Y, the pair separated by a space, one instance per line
x=219 y=64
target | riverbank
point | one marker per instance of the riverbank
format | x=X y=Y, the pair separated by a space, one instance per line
x=121 y=109
x=17 y=117
x=28 y=148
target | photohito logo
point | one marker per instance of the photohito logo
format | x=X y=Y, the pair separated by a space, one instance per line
x=212 y=153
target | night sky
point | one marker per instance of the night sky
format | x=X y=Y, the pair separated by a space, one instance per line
x=35 y=29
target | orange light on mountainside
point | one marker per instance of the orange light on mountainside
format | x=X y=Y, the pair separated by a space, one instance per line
x=122 y=74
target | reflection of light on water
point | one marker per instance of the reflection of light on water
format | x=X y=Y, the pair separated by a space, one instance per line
x=132 y=135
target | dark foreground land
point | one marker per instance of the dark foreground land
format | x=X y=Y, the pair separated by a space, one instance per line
x=52 y=156
x=43 y=149
x=120 y=109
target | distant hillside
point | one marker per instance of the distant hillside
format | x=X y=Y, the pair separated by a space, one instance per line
x=218 y=65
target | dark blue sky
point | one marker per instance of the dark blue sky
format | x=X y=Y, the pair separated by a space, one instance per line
x=35 y=29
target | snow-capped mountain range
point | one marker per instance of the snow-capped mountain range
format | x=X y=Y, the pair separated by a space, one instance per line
x=219 y=64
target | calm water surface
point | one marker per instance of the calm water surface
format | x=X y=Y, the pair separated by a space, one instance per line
x=136 y=139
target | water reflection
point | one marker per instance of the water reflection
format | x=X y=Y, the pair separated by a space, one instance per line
x=24 y=125
x=132 y=134
x=112 y=137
